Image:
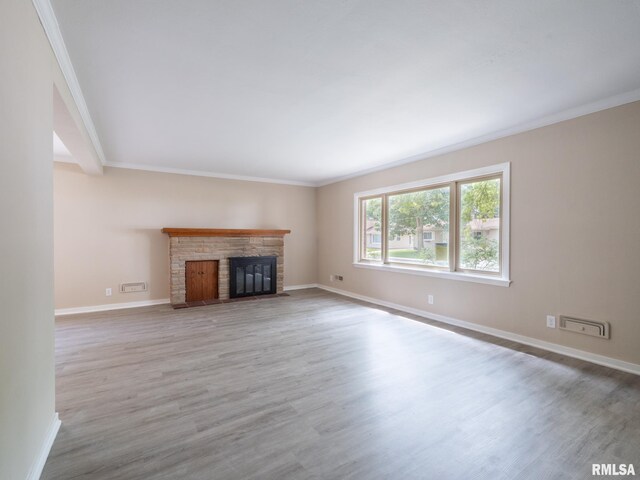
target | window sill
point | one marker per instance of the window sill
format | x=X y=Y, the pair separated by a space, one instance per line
x=464 y=277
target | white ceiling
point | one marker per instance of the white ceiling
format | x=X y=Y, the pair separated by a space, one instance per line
x=312 y=91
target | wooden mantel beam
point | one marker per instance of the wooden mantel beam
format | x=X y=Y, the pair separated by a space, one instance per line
x=223 y=232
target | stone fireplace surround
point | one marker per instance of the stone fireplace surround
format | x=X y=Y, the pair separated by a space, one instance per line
x=193 y=244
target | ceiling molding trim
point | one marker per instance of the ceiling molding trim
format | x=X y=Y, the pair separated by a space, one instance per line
x=52 y=30
x=604 y=104
x=200 y=173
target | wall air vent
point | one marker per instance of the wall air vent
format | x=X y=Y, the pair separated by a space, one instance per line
x=588 y=327
x=133 y=287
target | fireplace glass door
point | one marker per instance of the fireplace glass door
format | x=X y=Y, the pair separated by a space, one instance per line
x=250 y=276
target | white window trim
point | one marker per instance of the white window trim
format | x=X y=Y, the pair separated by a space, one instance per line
x=503 y=169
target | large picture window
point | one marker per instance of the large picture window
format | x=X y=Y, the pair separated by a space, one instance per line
x=454 y=226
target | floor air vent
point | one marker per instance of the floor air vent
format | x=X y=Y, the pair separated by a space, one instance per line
x=588 y=327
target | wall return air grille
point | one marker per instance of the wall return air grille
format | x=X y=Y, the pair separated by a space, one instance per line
x=133 y=287
x=588 y=327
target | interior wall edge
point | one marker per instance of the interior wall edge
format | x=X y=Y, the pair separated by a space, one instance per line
x=47 y=443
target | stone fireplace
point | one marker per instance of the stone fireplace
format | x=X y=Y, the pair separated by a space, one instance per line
x=191 y=250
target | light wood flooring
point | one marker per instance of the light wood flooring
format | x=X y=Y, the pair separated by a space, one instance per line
x=316 y=385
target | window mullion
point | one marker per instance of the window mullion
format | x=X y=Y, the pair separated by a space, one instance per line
x=385 y=229
x=453 y=226
x=363 y=230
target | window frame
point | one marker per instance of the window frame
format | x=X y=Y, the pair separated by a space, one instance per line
x=362 y=238
x=454 y=181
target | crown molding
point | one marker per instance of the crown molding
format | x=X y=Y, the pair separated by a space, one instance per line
x=52 y=30
x=200 y=173
x=564 y=115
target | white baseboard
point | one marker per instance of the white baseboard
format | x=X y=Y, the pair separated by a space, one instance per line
x=109 y=306
x=143 y=303
x=300 y=287
x=41 y=459
x=549 y=346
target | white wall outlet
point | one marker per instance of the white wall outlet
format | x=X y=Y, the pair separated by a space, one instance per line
x=430 y=299
x=551 y=321
x=331 y=278
x=108 y=292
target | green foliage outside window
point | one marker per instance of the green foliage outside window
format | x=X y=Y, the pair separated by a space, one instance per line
x=479 y=203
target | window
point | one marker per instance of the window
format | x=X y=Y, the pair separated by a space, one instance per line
x=479 y=225
x=409 y=214
x=372 y=223
x=462 y=220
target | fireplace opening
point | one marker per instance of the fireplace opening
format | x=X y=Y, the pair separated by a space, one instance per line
x=250 y=276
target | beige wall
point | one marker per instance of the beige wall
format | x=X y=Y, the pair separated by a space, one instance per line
x=26 y=242
x=107 y=228
x=573 y=231
x=575 y=234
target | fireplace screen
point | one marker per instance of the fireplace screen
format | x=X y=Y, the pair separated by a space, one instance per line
x=250 y=276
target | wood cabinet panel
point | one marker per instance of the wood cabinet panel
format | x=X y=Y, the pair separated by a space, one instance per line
x=201 y=280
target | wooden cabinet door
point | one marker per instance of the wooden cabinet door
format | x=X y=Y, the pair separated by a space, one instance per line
x=210 y=281
x=201 y=280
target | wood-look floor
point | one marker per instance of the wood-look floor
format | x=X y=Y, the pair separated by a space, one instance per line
x=319 y=386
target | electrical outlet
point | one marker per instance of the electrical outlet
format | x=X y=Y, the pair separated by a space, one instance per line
x=339 y=277
x=551 y=321
x=108 y=292
x=430 y=299
x=331 y=278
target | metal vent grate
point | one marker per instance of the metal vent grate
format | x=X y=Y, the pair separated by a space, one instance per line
x=133 y=287
x=587 y=327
